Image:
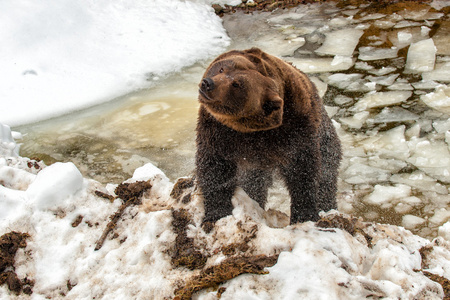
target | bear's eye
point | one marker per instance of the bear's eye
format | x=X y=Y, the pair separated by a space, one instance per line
x=221 y=70
x=236 y=84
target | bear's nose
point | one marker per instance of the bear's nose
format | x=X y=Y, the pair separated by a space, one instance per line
x=207 y=84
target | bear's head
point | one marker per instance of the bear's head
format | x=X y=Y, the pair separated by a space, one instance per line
x=240 y=89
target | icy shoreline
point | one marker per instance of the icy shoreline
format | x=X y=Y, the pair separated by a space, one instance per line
x=337 y=258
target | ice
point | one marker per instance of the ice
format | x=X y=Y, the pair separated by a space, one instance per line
x=380 y=99
x=432 y=157
x=383 y=80
x=444 y=231
x=340 y=42
x=371 y=53
x=421 y=57
x=381 y=71
x=421 y=181
x=439 y=99
x=284 y=47
x=356 y=121
x=441 y=126
x=342 y=81
x=360 y=173
x=321 y=65
x=342 y=100
x=8 y=146
x=401 y=38
x=440 y=73
x=388 y=144
x=54 y=185
x=387 y=196
x=411 y=222
x=394 y=114
x=425 y=85
x=88 y=53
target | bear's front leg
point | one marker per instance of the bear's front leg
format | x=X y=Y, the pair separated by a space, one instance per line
x=216 y=178
x=301 y=177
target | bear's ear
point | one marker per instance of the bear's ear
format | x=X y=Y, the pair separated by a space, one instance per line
x=258 y=58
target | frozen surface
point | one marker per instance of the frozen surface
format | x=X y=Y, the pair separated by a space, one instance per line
x=341 y=42
x=71 y=55
x=421 y=57
x=136 y=261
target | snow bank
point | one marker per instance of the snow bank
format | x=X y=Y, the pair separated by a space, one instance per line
x=64 y=56
x=337 y=258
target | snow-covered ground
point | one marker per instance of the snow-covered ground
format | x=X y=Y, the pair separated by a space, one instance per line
x=391 y=108
x=64 y=56
x=340 y=258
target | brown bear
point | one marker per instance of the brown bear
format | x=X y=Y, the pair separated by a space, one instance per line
x=259 y=114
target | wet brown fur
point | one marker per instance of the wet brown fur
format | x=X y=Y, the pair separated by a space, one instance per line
x=258 y=114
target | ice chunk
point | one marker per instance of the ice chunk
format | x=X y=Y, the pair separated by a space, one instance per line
x=411 y=222
x=341 y=80
x=320 y=65
x=441 y=216
x=359 y=173
x=421 y=181
x=284 y=47
x=440 y=73
x=53 y=185
x=342 y=100
x=8 y=146
x=356 y=121
x=371 y=53
x=385 y=195
x=444 y=231
x=439 y=99
x=389 y=144
x=401 y=38
x=441 y=126
x=380 y=99
x=421 y=57
x=394 y=114
x=382 y=71
x=383 y=80
x=320 y=85
x=425 y=85
x=340 y=42
x=432 y=157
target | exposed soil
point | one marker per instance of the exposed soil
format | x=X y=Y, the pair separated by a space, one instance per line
x=271 y=5
x=9 y=244
x=228 y=269
x=185 y=254
x=131 y=194
x=444 y=282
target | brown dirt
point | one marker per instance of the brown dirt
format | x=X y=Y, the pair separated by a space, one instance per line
x=9 y=244
x=131 y=194
x=180 y=186
x=185 y=253
x=226 y=270
x=270 y=5
x=444 y=282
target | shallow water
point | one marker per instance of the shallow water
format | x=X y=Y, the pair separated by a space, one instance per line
x=394 y=130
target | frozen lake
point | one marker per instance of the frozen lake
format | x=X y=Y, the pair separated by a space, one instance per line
x=384 y=74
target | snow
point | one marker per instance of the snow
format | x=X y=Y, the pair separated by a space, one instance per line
x=71 y=55
x=60 y=256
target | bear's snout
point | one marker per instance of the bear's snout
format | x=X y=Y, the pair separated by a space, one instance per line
x=207 y=84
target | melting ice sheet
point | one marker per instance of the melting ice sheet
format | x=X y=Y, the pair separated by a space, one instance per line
x=65 y=56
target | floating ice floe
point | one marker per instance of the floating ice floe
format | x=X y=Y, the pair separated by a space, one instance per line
x=442 y=38
x=372 y=53
x=356 y=121
x=387 y=196
x=441 y=72
x=419 y=180
x=388 y=144
x=412 y=222
x=439 y=99
x=393 y=114
x=380 y=99
x=321 y=65
x=340 y=42
x=8 y=145
x=432 y=157
x=421 y=57
x=383 y=80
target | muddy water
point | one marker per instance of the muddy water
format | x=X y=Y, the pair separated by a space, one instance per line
x=396 y=140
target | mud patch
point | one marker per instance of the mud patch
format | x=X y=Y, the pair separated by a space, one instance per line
x=131 y=194
x=9 y=244
x=444 y=282
x=185 y=254
x=228 y=269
